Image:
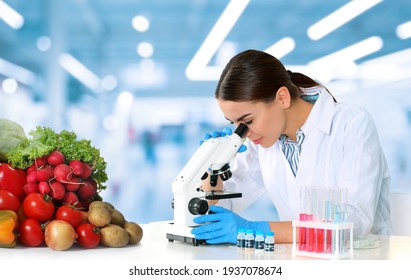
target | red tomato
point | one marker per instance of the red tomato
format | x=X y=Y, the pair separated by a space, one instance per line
x=8 y=201
x=12 y=180
x=31 y=233
x=69 y=214
x=88 y=235
x=39 y=207
x=84 y=214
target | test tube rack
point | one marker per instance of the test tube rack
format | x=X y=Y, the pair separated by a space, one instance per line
x=337 y=230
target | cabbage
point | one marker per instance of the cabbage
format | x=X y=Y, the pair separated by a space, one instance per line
x=11 y=136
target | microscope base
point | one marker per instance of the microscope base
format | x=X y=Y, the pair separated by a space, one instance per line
x=182 y=234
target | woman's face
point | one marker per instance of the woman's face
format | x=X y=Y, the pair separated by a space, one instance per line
x=266 y=122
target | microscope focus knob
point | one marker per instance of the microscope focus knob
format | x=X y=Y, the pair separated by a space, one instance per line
x=198 y=206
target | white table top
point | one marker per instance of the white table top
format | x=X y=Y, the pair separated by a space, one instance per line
x=155 y=246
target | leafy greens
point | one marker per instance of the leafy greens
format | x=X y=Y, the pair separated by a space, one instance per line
x=44 y=140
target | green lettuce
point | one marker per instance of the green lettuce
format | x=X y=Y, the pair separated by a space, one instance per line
x=11 y=136
x=44 y=140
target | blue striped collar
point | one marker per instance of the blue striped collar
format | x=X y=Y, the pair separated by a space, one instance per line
x=322 y=113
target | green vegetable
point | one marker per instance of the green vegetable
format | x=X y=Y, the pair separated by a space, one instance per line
x=11 y=135
x=44 y=140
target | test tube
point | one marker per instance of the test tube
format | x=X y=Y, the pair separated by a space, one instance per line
x=336 y=219
x=302 y=237
x=328 y=215
x=344 y=216
x=311 y=198
x=319 y=245
x=302 y=217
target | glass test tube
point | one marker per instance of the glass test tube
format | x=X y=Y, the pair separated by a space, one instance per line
x=319 y=241
x=303 y=217
x=310 y=217
x=344 y=215
x=328 y=216
x=336 y=219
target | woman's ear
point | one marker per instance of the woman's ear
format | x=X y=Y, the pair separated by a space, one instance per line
x=283 y=97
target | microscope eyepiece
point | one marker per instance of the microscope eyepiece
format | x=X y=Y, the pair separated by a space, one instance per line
x=241 y=130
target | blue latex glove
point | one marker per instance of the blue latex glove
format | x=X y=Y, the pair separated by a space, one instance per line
x=222 y=133
x=222 y=226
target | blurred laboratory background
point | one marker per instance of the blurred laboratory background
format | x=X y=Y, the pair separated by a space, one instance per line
x=137 y=77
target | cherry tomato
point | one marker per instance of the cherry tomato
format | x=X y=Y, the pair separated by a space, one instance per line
x=39 y=207
x=8 y=201
x=88 y=235
x=69 y=214
x=31 y=233
x=13 y=180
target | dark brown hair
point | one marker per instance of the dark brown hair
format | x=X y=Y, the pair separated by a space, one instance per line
x=256 y=76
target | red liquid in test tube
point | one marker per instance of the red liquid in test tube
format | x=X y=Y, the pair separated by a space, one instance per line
x=302 y=246
x=319 y=210
x=302 y=237
x=320 y=240
x=310 y=237
x=312 y=197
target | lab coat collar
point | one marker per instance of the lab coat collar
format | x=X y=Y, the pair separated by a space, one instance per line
x=321 y=114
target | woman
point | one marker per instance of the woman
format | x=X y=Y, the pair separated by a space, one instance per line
x=298 y=136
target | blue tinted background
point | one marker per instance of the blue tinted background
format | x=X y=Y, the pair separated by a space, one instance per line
x=147 y=117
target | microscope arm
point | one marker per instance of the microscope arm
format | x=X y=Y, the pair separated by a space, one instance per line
x=212 y=156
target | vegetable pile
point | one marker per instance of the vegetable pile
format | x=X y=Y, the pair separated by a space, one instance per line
x=50 y=188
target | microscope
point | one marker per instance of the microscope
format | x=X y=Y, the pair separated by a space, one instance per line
x=210 y=161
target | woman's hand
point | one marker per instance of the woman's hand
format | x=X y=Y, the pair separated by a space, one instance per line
x=226 y=131
x=222 y=226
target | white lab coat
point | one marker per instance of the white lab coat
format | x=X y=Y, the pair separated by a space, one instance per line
x=341 y=149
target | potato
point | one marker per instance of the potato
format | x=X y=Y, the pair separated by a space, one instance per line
x=96 y=203
x=108 y=205
x=114 y=236
x=99 y=216
x=117 y=218
x=135 y=232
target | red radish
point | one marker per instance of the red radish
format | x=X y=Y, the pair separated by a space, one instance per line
x=63 y=173
x=45 y=173
x=84 y=204
x=70 y=198
x=44 y=187
x=39 y=162
x=86 y=190
x=55 y=158
x=30 y=188
x=86 y=172
x=74 y=184
x=79 y=205
x=57 y=190
x=32 y=177
x=77 y=166
x=31 y=168
x=93 y=182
